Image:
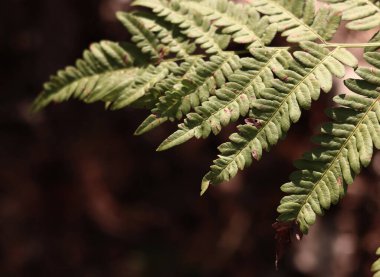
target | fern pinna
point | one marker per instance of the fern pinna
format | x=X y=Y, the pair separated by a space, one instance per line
x=376 y=265
x=181 y=64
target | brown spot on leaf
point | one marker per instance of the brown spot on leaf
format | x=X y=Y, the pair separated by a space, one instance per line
x=255 y=155
x=253 y=122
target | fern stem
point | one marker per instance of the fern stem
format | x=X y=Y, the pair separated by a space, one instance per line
x=351 y=45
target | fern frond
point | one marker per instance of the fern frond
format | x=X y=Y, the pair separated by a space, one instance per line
x=144 y=81
x=346 y=144
x=376 y=265
x=362 y=14
x=170 y=37
x=194 y=88
x=193 y=26
x=243 y=22
x=277 y=107
x=105 y=68
x=141 y=36
x=231 y=101
x=161 y=91
x=298 y=21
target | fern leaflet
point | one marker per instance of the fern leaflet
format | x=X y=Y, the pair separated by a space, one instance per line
x=376 y=265
x=106 y=62
x=192 y=26
x=298 y=21
x=194 y=88
x=141 y=36
x=346 y=144
x=362 y=14
x=242 y=22
x=165 y=39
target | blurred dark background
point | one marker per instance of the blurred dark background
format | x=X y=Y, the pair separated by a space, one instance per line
x=81 y=196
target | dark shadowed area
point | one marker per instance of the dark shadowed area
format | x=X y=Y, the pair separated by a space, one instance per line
x=81 y=196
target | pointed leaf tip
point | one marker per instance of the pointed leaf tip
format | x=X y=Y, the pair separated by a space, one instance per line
x=204 y=186
x=161 y=148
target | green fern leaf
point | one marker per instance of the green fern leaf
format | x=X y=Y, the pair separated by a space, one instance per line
x=362 y=14
x=231 y=101
x=193 y=26
x=170 y=37
x=376 y=266
x=243 y=22
x=277 y=107
x=151 y=97
x=346 y=144
x=143 y=82
x=298 y=21
x=141 y=36
x=194 y=88
x=161 y=91
x=106 y=68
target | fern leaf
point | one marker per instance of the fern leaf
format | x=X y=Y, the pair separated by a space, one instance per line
x=197 y=86
x=298 y=21
x=231 y=101
x=194 y=88
x=161 y=91
x=141 y=36
x=346 y=144
x=170 y=37
x=105 y=68
x=277 y=107
x=193 y=26
x=243 y=22
x=361 y=14
x=143 y=82
x=376 y=266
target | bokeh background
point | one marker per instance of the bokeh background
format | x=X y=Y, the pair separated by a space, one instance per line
x=81 y=196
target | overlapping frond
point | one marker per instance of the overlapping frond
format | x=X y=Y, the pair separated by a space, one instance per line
x=105 y=68
x=160 y=92
x=376 y=265
x=171 y=39
x=298 y=20
x=232 y=100
x=151 y=98
x=241 y=21
x=192 y=89
x=278 y=106
x=141 y=36
x=346 y=144
x=146 y=79
x=361 y=14
x=193 y=26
